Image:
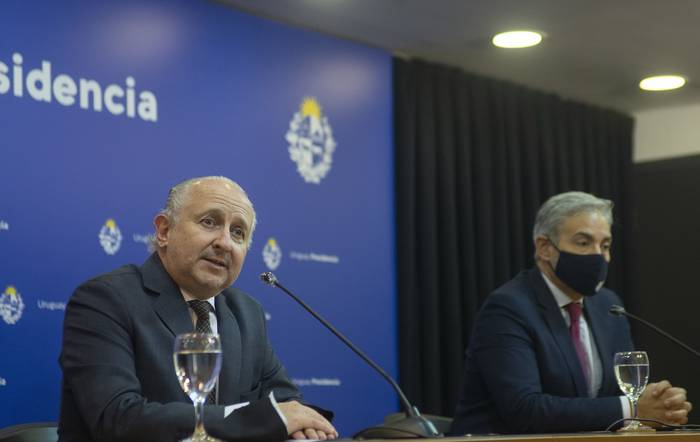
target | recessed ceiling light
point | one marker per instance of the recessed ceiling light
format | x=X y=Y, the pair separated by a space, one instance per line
x=662 y=83
x=517 y=39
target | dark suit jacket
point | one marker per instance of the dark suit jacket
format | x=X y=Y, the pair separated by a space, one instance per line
x=119 y=382
x=521 y=371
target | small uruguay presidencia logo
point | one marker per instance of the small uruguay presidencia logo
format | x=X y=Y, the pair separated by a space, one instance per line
x=311 y=143
x=272 y=254
x=110 y=237
x=11 y=305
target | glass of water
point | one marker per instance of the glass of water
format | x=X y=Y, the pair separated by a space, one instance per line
x=197 y=358
x=632 y=374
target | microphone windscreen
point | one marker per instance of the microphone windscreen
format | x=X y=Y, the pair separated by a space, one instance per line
x=268 y=278
x=616 y=310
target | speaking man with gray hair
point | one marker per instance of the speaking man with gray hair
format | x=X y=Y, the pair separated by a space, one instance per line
x=119 y=383
x=540 y=359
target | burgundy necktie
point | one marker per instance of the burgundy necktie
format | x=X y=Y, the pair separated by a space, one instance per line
x=575 y=309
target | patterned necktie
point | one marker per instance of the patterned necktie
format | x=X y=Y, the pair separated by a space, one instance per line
x=202 y=309
x=575 y=309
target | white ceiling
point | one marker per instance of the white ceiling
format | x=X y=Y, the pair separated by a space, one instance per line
x=594 y=51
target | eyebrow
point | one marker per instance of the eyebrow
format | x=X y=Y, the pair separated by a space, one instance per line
x=209 y=212
x=238 y=218
x=591 y=237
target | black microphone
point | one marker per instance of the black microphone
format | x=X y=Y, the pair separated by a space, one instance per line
x=412 y=425
x=620 y=311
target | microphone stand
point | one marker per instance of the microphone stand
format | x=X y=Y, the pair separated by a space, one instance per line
x=618 y=311
x=412 y=425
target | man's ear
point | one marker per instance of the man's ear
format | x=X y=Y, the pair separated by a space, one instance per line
x=543 y=248
x=163 y=225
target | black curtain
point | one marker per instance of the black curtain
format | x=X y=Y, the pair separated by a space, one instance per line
x=475 y=158
x=666 y=216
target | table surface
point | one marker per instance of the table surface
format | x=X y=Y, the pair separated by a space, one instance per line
x=673 y=436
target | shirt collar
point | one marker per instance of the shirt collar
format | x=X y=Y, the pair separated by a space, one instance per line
x=562 y=298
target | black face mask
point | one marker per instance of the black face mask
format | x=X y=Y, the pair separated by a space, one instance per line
x=583 y=273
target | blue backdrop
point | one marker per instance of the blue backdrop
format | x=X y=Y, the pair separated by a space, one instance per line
x=105 y=105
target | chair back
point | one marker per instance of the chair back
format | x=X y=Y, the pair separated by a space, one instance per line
x=31 y=432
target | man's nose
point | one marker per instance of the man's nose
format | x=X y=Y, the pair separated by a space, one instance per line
x=224 y=241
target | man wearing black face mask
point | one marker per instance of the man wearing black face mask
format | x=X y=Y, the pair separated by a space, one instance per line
x=540 y=358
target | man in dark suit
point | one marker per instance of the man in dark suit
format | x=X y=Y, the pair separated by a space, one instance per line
x=541 y=354
x=119 y=381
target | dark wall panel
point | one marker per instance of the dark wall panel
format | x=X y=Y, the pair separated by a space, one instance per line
x=667 y=247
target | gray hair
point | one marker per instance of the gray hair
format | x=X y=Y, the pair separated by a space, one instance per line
x=178 y=195
x=565 y=205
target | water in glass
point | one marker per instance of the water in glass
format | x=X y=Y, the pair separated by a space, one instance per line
x=632 y=378
x=197 y=360
x=197 y=372
x=632 y=374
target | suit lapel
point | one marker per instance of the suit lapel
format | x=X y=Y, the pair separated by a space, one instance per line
x=231 y=350
x=552 y=315
x=170 y=306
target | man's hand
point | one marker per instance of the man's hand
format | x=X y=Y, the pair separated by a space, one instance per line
x=305 y=423
x=665 y=403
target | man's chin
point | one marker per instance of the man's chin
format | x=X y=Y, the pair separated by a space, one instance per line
x=211 y=286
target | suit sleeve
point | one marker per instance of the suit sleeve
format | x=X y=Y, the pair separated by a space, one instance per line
x=99 y=374
x=506 y=356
